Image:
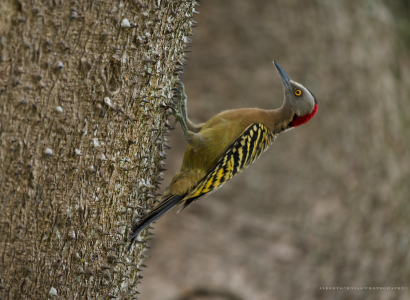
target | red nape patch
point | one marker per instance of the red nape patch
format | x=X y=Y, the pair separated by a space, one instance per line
x=297 y=121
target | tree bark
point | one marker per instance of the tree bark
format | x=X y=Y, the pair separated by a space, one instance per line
x=85 y=86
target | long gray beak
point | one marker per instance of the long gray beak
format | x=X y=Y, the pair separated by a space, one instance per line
x=285 y=77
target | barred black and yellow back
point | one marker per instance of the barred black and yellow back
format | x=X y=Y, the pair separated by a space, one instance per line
x=254 y=140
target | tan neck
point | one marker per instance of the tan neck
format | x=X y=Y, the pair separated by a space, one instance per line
x=280 y=118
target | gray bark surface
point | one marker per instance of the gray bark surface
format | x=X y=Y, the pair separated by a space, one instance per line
x=84 y=89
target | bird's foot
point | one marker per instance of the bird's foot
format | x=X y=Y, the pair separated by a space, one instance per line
x=179 y=118
x=180 y=112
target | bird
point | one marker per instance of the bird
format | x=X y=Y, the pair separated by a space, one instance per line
x=226 y=145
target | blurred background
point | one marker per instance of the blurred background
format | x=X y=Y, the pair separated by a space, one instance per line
x=328 y=204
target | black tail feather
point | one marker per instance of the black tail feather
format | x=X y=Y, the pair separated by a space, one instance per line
x=154 y=215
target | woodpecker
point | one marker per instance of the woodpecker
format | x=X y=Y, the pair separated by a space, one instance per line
x=227 y=144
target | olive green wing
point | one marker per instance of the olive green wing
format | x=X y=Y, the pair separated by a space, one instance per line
x=253 y=141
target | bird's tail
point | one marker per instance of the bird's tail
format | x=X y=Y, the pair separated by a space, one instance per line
x=154 y=215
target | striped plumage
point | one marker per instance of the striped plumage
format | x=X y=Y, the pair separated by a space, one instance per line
x=254 y=140
x=227 y=144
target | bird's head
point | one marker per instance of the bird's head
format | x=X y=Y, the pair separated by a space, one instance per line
x=301 y=101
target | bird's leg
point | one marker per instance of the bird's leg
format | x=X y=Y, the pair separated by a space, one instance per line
x=181 y=116
x=183 y=100
x=180 y=112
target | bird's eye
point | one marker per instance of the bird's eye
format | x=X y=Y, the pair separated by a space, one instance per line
x=298 y=92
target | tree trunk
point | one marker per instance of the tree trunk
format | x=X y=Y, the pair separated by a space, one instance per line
x=84 y=92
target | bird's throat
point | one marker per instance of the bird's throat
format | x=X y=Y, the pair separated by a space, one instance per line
x=297 y=121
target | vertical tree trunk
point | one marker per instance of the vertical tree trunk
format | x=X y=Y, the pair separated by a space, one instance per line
x=83 y=107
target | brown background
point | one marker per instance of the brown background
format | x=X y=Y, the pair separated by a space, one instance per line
x=328 y=204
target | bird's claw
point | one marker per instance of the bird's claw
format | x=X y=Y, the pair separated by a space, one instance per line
x=179 y=111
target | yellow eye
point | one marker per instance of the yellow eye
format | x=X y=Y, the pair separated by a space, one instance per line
x=298 y=92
